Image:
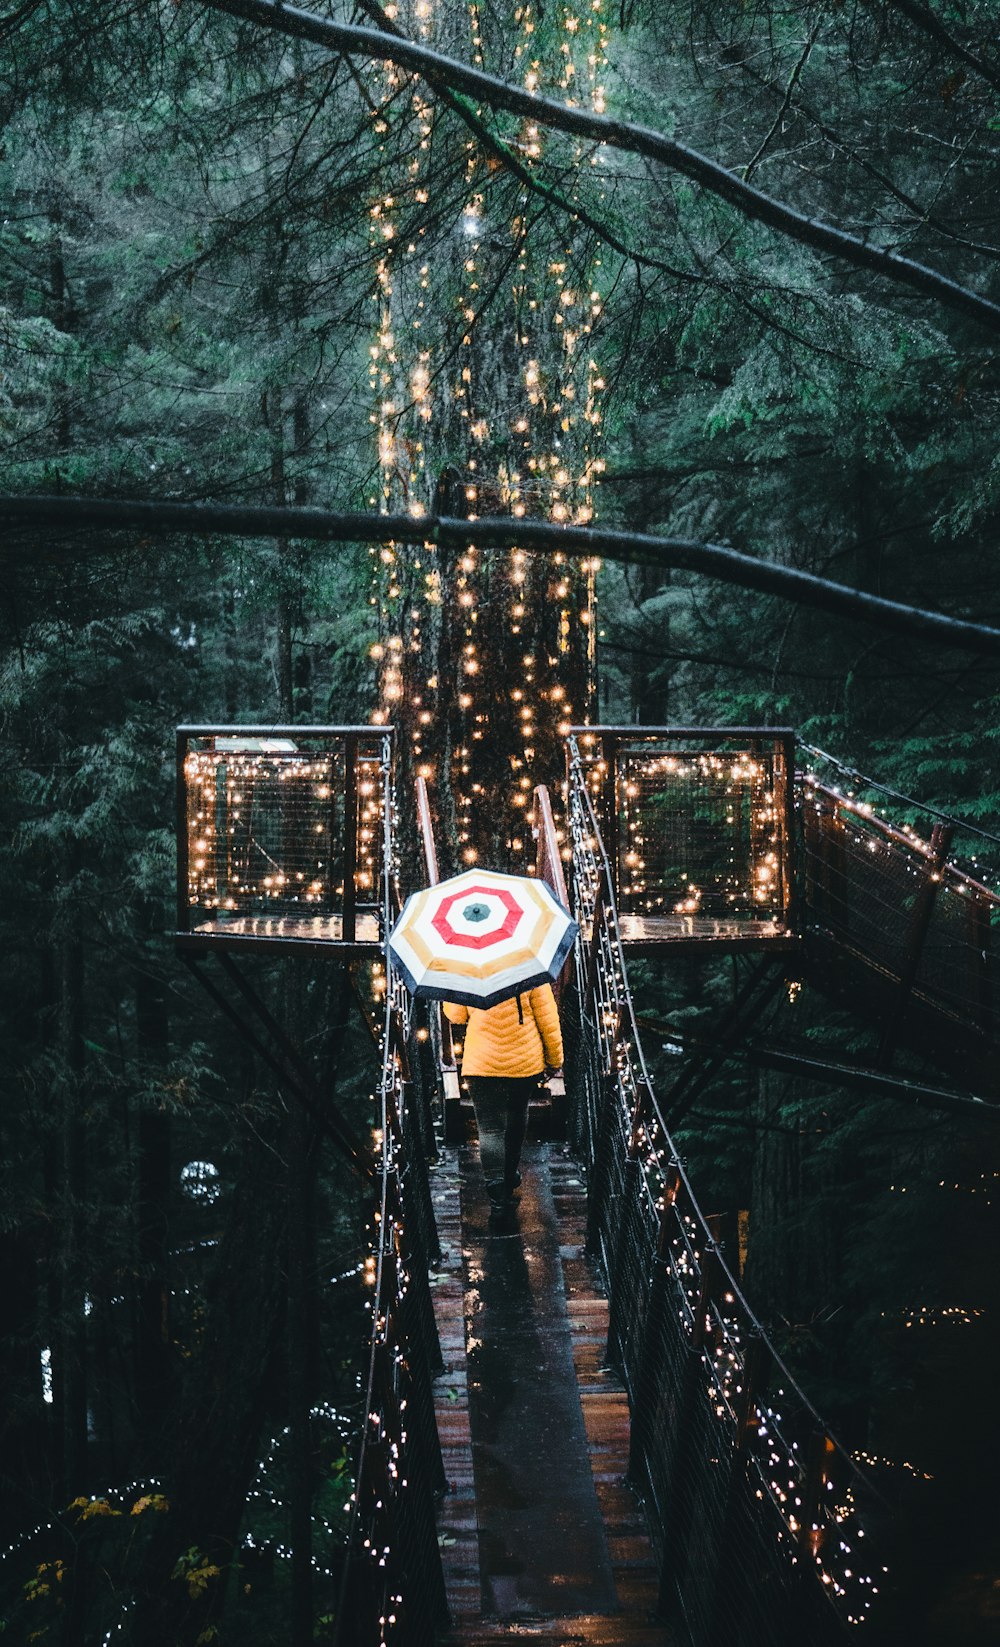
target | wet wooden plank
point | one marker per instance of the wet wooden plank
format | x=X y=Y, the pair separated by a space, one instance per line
x=604 y=1407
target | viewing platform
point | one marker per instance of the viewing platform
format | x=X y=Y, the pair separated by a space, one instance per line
x=698 y=826
x=281 y=834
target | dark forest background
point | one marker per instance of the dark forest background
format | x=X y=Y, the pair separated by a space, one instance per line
x=185 y=312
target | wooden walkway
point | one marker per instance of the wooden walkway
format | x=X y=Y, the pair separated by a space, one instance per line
x=457 y=1189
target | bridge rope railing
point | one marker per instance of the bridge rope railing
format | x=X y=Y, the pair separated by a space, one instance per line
x=895 y=901
x=767 y=1531
x=393 y=1591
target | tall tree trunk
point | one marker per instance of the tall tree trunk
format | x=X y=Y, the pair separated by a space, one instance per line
x=24 y=1427
x=154 y=1180
x=283 y=612
x=298 y=1337
x=650 y=703
x=216 y=1434
x=69 y=1363
x=773 y=1258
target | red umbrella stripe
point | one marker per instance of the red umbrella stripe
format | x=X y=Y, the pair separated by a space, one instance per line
x=468 y=940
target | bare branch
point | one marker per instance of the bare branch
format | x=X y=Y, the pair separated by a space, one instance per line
x=511 y=162
x=619 y=134
x=932 y=25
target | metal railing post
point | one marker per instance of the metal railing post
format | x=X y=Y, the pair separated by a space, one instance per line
x=183 y=907
x=349 y=916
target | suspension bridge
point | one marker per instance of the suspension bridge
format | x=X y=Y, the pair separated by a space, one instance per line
x=576 y=1429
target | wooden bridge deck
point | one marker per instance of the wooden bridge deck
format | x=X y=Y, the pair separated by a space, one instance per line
x=485 y=1607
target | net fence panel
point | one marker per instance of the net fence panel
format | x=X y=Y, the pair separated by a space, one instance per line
x=864 y=883
x=659 y=1421
x=265 y=829
x=758 y=1516
x=607 y=1175
x=957 y=965
x=394 y=1586
x=280 y=835
x=700 y=834
x=697 y=824
x=693 y=1548
x=763 y=1579
x=635 y=1244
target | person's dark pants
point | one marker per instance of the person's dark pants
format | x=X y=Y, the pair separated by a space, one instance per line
x=501 y=1106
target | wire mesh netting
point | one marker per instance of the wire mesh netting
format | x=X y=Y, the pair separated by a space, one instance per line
x=759 y=1517
x=700 y=834
x=885 y=897
x=632 y=1263
x=279 y=827
x=696 y=825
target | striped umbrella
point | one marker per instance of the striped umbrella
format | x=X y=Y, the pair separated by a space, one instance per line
x=481 y=937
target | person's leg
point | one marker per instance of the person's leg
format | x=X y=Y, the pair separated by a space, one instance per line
x=520 y=1091
x=488 y=1100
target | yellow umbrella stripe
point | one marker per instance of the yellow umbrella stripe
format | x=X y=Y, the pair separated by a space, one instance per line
x=484 y=969
x=464 y=965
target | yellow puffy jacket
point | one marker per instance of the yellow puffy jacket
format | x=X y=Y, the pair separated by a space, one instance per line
x=497 y=1043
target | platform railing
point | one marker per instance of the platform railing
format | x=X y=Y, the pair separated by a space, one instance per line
x=768 y=1533
x=918 y=927
x=279 y=836
x=698 y=825
x=393 y=1586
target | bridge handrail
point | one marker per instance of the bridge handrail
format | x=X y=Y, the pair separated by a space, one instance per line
x=715 y=1310
x=611 y=916
x=961 y=826
x=393 y=1582
x=548 y=862
x=911 y=842
x=425 y=826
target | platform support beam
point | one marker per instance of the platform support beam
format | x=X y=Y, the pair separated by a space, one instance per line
x=291 y=1070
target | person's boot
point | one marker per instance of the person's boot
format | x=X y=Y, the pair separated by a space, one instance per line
x=501 y=1191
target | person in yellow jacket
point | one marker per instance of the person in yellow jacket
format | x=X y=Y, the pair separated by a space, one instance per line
x=507 y=1048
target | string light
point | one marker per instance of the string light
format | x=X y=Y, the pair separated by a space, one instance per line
x=523 y=444
x=823 y=1531
x=265 y=832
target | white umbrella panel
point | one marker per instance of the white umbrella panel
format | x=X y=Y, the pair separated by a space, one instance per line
x=481 y=937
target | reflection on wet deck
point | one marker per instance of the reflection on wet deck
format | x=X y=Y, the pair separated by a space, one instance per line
x=538 y=1527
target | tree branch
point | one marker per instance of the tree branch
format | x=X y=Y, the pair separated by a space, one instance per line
x=618 y=134
x=925 y=19
x=41 y=516
x=775 y=127
x=511 y=162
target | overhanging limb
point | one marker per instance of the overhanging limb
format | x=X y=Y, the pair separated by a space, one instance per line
x=762 y=1055
x=34 y=516
x=869 y=1080
x=481 y=87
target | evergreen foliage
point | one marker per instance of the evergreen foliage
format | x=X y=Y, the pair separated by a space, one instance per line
x=185 y=313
